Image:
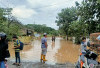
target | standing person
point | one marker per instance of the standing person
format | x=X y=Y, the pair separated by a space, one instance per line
x=53 y=38
x=3 y=48
x=83 y=45
x=44 y=47
x=17 y=50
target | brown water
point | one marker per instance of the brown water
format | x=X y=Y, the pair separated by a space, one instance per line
x=61 y=51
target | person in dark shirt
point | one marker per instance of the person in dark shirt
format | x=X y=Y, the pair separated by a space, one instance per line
x=3 y=48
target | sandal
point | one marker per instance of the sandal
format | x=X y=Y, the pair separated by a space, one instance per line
x=18 y=64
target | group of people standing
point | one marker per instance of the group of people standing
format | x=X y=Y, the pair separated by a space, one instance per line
x=17 y=44
x=4 y=52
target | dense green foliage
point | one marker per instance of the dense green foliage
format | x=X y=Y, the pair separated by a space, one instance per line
x=42 y=29
x=89 y=12
x=64 y=18
x=80 y=20
x=9 y=25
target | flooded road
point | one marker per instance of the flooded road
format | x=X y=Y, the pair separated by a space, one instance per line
x=61 y=51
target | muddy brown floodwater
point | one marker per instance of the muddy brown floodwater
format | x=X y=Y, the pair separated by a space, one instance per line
x=61 y=51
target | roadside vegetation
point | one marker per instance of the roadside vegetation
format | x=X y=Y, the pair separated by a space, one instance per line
x=81 y=20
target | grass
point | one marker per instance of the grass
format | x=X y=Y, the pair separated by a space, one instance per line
x=26 y=39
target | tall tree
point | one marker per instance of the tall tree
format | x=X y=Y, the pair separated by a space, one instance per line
x=64 y=18
x=89 y=12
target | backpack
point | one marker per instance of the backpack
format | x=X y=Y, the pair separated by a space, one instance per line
x=21 y=44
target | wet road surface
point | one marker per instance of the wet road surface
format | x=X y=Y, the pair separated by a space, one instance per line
x=61 y=51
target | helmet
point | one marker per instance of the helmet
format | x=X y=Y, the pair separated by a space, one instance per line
x=2 y=35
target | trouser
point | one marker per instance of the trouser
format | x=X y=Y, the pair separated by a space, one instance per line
x=83 y=56
x=17 y=55
x=2 y=64
x=44 y=51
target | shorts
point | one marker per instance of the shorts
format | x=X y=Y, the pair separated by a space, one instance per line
x=44 y=51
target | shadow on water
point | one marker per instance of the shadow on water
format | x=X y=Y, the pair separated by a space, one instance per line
x=60 y=51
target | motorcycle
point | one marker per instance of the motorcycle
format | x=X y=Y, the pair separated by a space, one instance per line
x=87 y=60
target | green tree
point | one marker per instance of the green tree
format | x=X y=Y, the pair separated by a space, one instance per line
x=41 y=28
x=89 y=12
x=64 y=18
x=9 y=24
x=78 y=29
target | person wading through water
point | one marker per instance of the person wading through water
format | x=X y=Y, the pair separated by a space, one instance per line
x=53 y=38
x=44 y=48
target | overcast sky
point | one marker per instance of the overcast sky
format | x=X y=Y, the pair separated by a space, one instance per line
x=37 y=11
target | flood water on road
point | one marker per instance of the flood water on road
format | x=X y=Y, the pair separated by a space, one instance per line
x=61 y=51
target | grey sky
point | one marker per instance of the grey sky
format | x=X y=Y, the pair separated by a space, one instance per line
x=37 y=11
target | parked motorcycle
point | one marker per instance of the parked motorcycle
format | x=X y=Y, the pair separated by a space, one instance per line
x=87 y=60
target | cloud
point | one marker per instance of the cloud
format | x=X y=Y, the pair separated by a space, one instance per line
x=23 y=12
x=54 y=25
x=44 y=3
x=40 y=11
x=48 y=10
x=51 y=5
